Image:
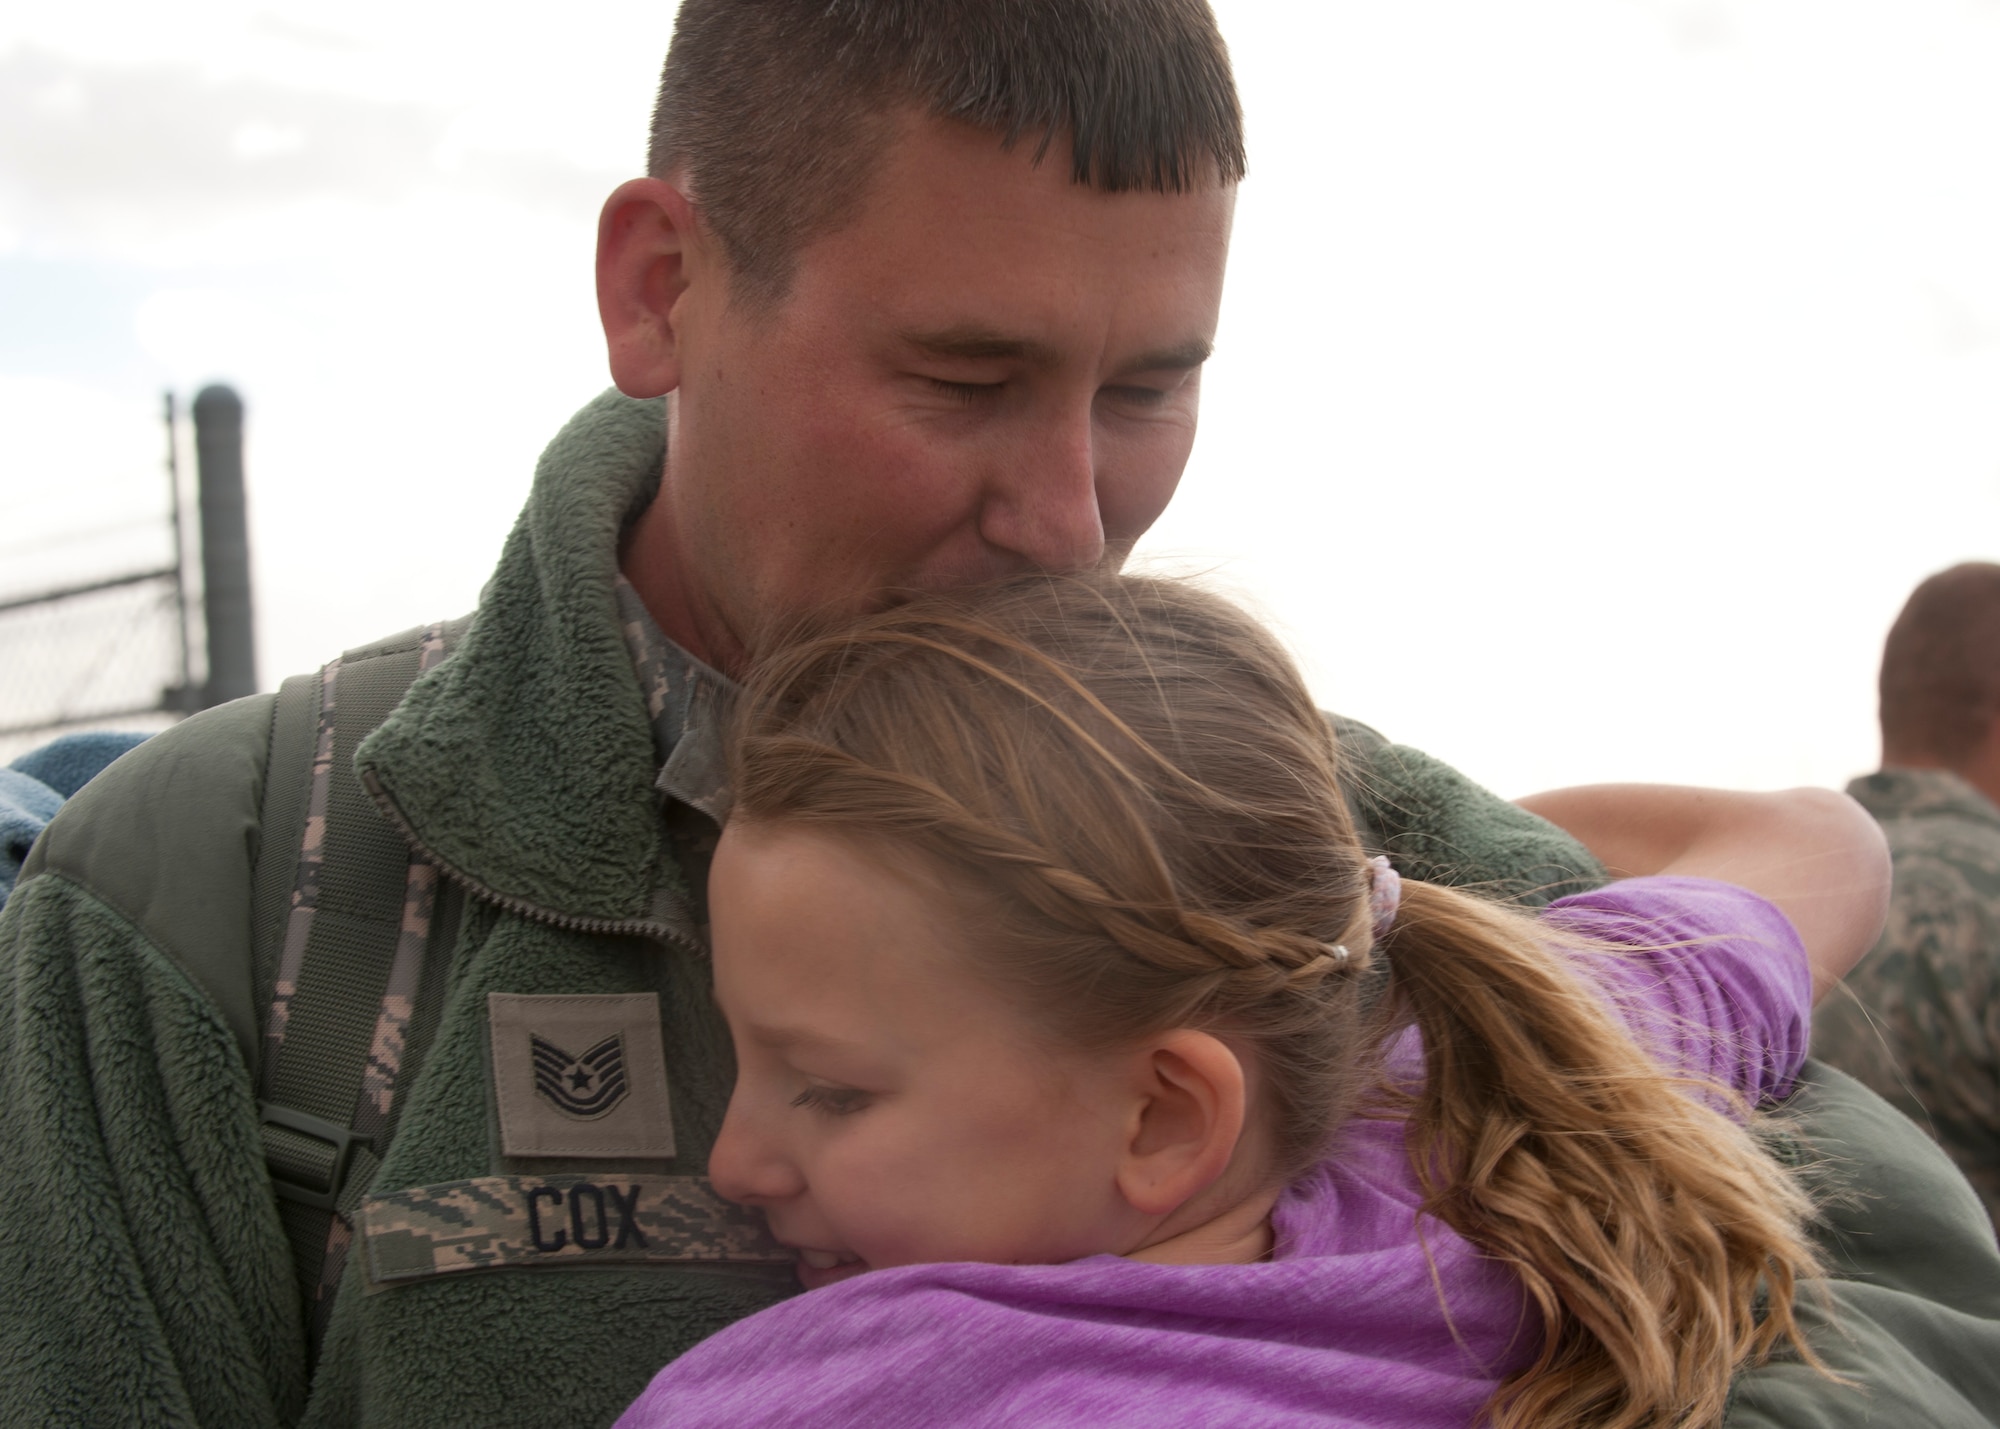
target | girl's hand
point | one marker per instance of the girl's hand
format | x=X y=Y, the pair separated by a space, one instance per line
x=1814 y=853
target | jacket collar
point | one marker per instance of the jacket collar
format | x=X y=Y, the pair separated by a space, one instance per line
x=524 y=764
x=688 y=704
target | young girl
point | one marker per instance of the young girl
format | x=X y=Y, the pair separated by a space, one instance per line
x=1067 y=1007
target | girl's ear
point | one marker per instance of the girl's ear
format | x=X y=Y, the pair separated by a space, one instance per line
x=1189 y=1117
x=647 y=244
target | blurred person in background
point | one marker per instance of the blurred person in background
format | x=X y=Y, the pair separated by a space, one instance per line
x=1920 y=1021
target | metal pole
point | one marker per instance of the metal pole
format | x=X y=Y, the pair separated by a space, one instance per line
x=180 y=697
x=225 y=545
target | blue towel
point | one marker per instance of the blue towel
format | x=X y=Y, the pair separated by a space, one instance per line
x=34 y=786
x=68 y=763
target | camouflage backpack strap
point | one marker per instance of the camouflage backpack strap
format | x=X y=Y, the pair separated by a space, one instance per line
x=353 y=937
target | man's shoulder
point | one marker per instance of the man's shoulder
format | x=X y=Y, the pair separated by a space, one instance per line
x=168 y=837
x=1438 y=825
x=1967 y=847
x=1921 y=807
x=1946 y=896
x=1944 y=836
x=208 y=767
x=1912 y=1015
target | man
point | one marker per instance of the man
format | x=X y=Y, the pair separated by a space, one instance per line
x=1922 y=1023
x=928 y=284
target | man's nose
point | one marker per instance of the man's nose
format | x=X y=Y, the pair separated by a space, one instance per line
x=747 y=1167
x=1043 y=506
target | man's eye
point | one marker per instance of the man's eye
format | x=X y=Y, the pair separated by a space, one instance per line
x=966 y=392
x=831 y=1101
x=1136 y=396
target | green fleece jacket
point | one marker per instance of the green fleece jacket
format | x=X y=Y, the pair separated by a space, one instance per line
x=144 y=1275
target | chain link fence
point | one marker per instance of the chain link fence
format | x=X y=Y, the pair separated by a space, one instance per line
x=91 y=658
x=119 y=643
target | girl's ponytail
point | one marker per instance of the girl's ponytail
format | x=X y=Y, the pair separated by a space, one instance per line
x=1661 y=1244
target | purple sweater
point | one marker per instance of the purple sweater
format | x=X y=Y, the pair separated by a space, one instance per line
x=1345 y=1325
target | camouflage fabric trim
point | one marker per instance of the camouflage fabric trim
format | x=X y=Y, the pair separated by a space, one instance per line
x=431 y=650
x=339 y=1240
x=399 y=1000
x=305 y=892
x=377 y=1097
x=496 y=1222
x=661 y=676
x=688 y=704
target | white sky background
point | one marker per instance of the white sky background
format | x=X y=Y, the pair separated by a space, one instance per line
x=1596 y=376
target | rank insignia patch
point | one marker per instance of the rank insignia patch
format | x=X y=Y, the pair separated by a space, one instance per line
x=584 y=1087
x=580 y=1076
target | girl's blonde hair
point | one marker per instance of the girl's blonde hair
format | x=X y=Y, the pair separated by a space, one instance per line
x=1130 y=777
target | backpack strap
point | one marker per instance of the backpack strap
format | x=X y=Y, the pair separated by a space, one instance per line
x=352 y=932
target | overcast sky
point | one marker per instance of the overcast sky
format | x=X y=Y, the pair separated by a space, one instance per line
x=1595 y=379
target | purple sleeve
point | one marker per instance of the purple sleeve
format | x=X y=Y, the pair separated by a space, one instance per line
x=1716 y=985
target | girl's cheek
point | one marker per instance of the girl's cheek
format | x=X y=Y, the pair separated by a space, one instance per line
x=883 y=1197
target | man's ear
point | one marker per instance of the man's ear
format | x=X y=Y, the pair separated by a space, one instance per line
x=1188 y=1121
x=648 y=248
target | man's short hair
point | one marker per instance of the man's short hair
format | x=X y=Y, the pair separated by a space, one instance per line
x=1941 y=667
x=774 y=112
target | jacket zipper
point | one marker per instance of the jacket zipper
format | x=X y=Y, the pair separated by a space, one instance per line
x=632 y=927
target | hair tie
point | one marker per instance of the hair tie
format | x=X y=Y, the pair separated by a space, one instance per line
x=1385 y=894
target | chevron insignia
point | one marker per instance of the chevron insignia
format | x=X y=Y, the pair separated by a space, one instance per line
x=584 y=1087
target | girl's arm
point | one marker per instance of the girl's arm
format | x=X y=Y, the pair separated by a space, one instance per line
x=1814 y=853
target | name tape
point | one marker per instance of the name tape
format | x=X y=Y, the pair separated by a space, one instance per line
x=496 y=1221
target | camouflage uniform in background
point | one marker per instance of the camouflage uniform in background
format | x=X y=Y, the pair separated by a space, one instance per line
x=1919 y=1021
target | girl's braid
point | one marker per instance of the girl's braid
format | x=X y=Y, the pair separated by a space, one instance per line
x=1163 y=933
